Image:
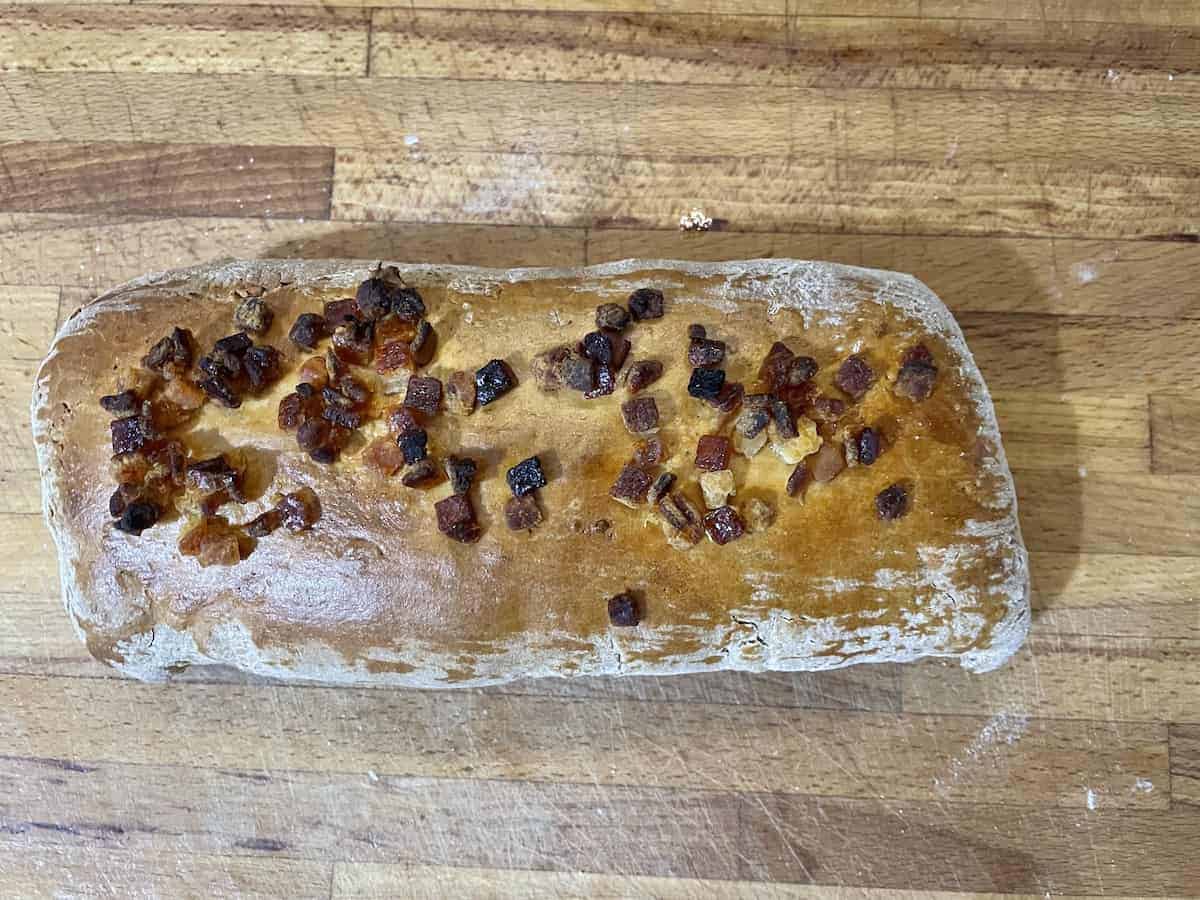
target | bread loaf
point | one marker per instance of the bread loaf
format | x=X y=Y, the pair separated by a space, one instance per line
x=452 y=476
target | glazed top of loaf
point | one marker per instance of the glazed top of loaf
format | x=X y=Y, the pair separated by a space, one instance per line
x=375 y=584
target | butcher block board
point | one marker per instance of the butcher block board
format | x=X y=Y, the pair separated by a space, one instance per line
x=1034 y=164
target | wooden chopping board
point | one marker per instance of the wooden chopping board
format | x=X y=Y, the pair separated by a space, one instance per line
x=1035 y=164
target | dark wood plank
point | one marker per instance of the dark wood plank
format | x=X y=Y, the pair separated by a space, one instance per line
x=1175 y=434
x=167 y=179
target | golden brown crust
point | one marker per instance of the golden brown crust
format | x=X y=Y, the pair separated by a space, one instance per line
x=374 y=592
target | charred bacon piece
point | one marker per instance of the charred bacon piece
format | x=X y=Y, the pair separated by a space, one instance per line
x=624 y=610
x=724 y=525
x=456 y=518
x=526 y=476
x=646 y=303
x=855 y=376
x=492 y=381
x=522 y=513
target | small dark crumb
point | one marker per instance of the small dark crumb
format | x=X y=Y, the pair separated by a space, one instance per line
x=456 y=518
x=662 y=484
x=705 y=353
x=631 y=486
x=262 y=366
x=785 y=425
x=341 y=416
x=648 y=453
x=773 y=372
x=724 y=525
x=215 y=474
x=577 y=372
x=264 y=524
x=713 y=452
x=460 y=394
x=493 y=381
x=798 y=481
x=424 y=343
x=461 y=472
x=299 y=510
x=122 y=497
x=598 y=347
x=234 y=344
x=697 y=332
x=624 y=611
x=682 y=515
x=312 y=434
x=137 y=517
x=706 y=384
x=917 y=375
x=729 y=397
x=353 y=342
x=867 y=446
x=522 y=512
x=646 y=303
x=855 y=377
x=130 y=433
x=642 y=374
x=402 y=421
x=121 y=404
x=606 y=383
x=892 y=502
x=307 y=330
x=825 y=410
x=253 y=315
x=546 y=368
x=421 y=472
x=612 y=317
x=340 y=312
x=620 y=347
x=526 y=476
x=415 y=446
x=640 y=415
x=424 y=394
x=324 y=455
x=175 y=350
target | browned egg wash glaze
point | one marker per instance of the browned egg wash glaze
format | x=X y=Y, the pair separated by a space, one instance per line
x=445 y=475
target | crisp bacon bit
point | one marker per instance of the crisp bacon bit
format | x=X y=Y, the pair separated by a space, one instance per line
x=631 y=486
x=130 y=433
x=773 y=372
x=299 y=510
x=402 y=422
x=352 y=342
x=703 y=353
x=867 y=446
x=460 y=394
x=606 y=383
x=232 y=347
x=526 y=476
x=760 y=515
x=662 y=484
x=461 y=472
x=419 y=474
x=385 y=292
x=137 y=517
x=354 y=390
x=752 y=420
x=384 y=456
x=215 y=475
x=646 y=303
x=598 y=347
x=642 y=374
x=262 y=366
x=264 y=524
x=716 y=487
x=828 y=463
x=312 y=435
x=212 y=541
x=624 y=611
x=620 y=347
x=341 y=416
x=706 y=384
x=648 y=453
x=394 y=355
x=682 y=516
x=781 y=415
x=697 y=332
x=415 y=446
x=307 y=331
x=826 y=410
x=713 y=452
x=855 y=377
x=612 y=317
x=456 y=518
x=121 y=404
x=253 y=315
x=577 y=372
x=171 y=355
x=640 y=415
x=892 y=502
x=724 y=525
x=522 y=513
x=338 y=313
x=546 y=368
x=917 y=375
x=373 y=298
x=217 y=388
x=424 y=395
x=493 y=381
x=798 y=481
x=729 y=397
x=424 y=343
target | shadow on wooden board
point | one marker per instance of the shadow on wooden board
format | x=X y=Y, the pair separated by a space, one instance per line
x=997 y=270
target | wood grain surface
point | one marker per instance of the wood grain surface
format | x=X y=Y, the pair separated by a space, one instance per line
x=1035 y=163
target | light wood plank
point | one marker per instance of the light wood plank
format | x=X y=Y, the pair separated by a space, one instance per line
x=93 y=872
x=677 y=7
x=821 y=752
x=27 y=554
x=1175 y=433
x=27 y=320
x=628 y=831
x=167 y=179
x=377 y=880
x=1080 y=580
x=1082 y=130
x=1080 y=432
x=763 y=194
x=806 y=51
x=99 y=252
x=1185 y=764
x=20 y=490
x=213 y=40
x=1157 y=12
x=1079 y=677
